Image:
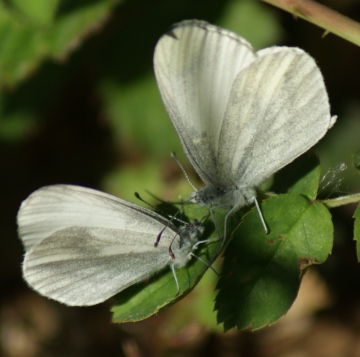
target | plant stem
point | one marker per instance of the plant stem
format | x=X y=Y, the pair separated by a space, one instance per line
x=341 y=201
x=321 y=16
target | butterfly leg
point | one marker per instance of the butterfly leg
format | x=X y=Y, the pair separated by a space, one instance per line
x=261 y=216
x=175 y=278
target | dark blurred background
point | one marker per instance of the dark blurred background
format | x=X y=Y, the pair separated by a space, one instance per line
x=93 y=117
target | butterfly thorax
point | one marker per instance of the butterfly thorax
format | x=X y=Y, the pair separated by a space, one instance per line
x=213 y=196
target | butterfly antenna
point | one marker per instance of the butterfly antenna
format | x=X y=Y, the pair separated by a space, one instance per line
x=171 y=219
x=171 y=253
x=159 y=236
x=137 y=195
x=173 y=155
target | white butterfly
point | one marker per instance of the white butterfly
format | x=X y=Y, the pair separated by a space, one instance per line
x=84 y=246
x=241 y=115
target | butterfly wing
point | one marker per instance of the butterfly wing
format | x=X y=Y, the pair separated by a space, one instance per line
x=195 y=66
x=240 y=115
x=278 y=109
x=52 y=208
x=83 y=246
x=82 y=266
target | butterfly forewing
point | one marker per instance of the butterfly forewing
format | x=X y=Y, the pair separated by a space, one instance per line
x=195 y=66
x=52 y=208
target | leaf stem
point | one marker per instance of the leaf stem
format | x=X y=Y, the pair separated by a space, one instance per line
x=321 y=16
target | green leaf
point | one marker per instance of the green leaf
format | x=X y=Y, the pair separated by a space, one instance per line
x=258 y=24
x=24 y=46
x=142 y=300
x=135 y=112
x=195 y=309
x=356 y=160
x=37 y=12
x=357 y=231
x=302 y=176
x=261 y=272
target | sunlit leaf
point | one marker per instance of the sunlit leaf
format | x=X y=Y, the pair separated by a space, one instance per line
x=261 y=273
